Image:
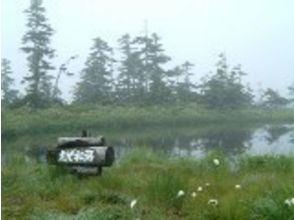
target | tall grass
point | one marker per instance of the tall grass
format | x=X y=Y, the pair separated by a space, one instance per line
x=37 y=191
x=32 y=190
x=22 y=121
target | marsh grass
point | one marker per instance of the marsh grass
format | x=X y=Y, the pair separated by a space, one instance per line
x=59 y=119
x=32 y=190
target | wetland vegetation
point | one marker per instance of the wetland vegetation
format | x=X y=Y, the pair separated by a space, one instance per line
x=244 y=186
x=255 y=187
x=189 y=144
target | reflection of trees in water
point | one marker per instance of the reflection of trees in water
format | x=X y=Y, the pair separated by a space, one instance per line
x=231 y=141
x=185 y=141
x=228 y=141
x=163 y=143
x=164 y=139
x=275 y=132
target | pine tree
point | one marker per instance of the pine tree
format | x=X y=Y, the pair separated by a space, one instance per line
x=273 y=99
x=96 y=78
x=141 y=84
x=158 y=90
x=129 y=70
x=153 y=74
x=36 y=43
x=8 y=95
x=224 y=89
x=185 y=87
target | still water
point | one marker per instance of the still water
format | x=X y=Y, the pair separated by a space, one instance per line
x=196 y=142
x=173 y=141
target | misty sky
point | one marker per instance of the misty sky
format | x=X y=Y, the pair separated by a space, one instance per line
x=259 y=34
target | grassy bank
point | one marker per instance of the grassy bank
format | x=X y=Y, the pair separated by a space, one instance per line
x=36 y=191
x=21 y=121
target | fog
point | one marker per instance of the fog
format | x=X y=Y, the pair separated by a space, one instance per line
x=257 y=34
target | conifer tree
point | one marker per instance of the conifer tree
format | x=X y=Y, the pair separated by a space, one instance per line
x=96 y=78
x=36 y=44
x=129 y=70
x=185 y=87
x=8 y=95
x=273 y=99
x=153 y=73
x=224 y=89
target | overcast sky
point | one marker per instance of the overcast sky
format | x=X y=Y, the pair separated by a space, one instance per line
x=259 y=34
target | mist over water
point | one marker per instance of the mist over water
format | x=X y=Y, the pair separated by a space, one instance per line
x=189 y=141
x=147 y=109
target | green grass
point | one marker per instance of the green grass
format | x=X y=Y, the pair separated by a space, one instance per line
x=37 y=191
x=22 y=121
x=32 y=190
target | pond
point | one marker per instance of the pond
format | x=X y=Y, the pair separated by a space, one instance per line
x=196 y=142
x=173 y=141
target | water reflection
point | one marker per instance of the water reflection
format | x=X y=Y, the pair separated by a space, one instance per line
x=185 y=141
x=268 y=139
x=273 y=140
x=229 y=141
x=274 y=133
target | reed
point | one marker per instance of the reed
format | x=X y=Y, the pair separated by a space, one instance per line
x=69 y=118
x=248 y=187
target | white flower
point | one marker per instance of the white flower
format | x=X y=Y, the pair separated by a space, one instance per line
x=213 y=202
x=181 y=193
x=237 y=186
x=194 y=194
x=199 y=189
x=207 y=184
x=288 y=202
x=133 y=203
x=216 y=162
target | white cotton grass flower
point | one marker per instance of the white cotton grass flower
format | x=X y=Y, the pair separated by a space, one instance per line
x=289 y=202
x=213 y=202
x=238 y=186
x=193 y=194
x=216 y=162
x=133 y=203
x=207 y=184
x=199 y=189
x=181 y=193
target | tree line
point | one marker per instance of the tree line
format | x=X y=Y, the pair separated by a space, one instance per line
x=134 y=73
